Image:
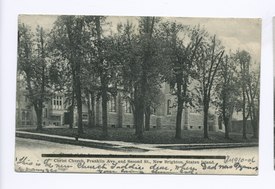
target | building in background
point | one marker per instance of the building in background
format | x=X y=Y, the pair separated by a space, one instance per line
x=120 y=114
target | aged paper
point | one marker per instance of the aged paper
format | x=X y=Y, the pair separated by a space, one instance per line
x=141 y=95
x=273 y=89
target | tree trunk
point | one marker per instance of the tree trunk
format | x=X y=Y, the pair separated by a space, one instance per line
x=254 y=124
x=135 y=106
x=244 y=128
x=256 y=129
x=244 y=117
x=140 y=92
x=180 y=107
x=178 y=121
x=255 y=135
x=92 y=110
x=72 y=112
x=135 y=116
x=226 y=127
x=89 y=110
x=147 y=118
x=78 y=99
x=254 y=120
x=205 y=119
x=104 y=109
x=38 y=111
x=139 y=120
x=40 y=102
x=71 y=117
x=79 y=112
x=138 y=112
x=224 y=117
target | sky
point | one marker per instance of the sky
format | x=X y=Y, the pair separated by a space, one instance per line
x=234 y=33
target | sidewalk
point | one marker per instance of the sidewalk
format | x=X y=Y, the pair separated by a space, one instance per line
x=126 y=146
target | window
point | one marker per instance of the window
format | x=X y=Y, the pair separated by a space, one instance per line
x=57 y=102
x=128 y=107
x=153 y=111
x=84 y=116
x=45 y=112
x=112 y=104
x=169 y=107
x=60 y=102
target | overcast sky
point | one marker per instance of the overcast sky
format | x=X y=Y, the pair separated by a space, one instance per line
x=243 y=34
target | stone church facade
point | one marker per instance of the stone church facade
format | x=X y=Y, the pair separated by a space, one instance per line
x=119 y=113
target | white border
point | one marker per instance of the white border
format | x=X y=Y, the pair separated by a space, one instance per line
x=264 y=9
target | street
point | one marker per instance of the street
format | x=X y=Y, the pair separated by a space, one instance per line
x=40 y=146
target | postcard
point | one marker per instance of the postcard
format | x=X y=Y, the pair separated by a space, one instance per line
x=141 y=95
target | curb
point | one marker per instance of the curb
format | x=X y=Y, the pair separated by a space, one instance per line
x=127 y=146
x=210 y=146
x=77 y=142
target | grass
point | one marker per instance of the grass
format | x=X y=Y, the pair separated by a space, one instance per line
x=154 y=136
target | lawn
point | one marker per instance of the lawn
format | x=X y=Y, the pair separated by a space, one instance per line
x=154 y=136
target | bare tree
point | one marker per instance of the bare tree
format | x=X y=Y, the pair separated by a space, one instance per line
x=182 y=63
x=243 y=58
x=227 y=91
x=253 y=94
x=209 y=60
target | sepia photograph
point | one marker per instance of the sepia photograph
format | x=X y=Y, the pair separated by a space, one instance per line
x=137 y=95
